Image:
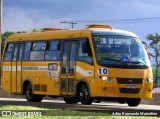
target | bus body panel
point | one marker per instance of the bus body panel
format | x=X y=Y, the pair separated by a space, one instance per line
x=49 y=82
x=6 y=76
x=112 y=89
x=44 y=80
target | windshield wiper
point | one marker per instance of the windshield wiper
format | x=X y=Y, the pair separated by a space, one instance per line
x=128 y=63
x=140 y=63
x=125 y=63
x=131 y=63
x=112 y=59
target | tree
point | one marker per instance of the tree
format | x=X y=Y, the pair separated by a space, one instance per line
x=154 y=44
x=4 y=36
x=35 y=30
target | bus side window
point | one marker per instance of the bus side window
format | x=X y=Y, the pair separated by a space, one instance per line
x=38 y=51
x=15 y=54
x=21 y=50
x=27 y=51
x=53 y=50
x=84 y=53
x=39 y=46
x=8 y=52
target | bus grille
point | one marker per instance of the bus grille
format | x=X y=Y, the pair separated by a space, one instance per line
x=129 y=91
x=129 y=80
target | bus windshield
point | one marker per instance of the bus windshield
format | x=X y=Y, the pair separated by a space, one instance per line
x=120 y=51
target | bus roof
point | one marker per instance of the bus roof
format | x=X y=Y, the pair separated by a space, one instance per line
x=113 y=32
x=58 y=33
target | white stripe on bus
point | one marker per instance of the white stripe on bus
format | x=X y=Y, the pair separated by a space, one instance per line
x=45 y=68
x=84 y=72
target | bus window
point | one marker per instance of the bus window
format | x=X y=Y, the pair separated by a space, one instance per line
x=39 y=46
x=64 y=59
x=53 y=50
x=82 y=49
x=8 y=53
x=37 y=55
x=15 y=52
x=10 y=47
x=21 y=50
x=85 y=56
x=72 y=58
x=52 y=55
x=27 y=51
x=54 y=45
x=38 y=51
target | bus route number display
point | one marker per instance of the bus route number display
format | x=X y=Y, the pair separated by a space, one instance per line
x=102 y=71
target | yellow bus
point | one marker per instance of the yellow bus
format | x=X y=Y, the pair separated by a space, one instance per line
x=95 y=63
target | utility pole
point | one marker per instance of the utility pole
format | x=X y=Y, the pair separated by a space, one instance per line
x=69 y=22
x=0 y=40
x=0 y=31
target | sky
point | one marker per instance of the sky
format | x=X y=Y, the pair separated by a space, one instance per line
x=25 y=15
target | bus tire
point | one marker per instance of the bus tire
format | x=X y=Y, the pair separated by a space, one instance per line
x=71 y=100
x=97 y=100
x=133 y=102
x=38 y=98
x=84 y=95
x=30 y=96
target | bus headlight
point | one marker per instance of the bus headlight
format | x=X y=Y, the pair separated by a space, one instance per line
x=105 y=78
x=148 y=80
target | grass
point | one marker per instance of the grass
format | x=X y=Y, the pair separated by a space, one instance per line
x=154 y=71
x=57 y=113
x=67 y=114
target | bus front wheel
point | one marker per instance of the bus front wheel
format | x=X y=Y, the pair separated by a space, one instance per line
x=133 y=102
x=84 y=95
x=30 y=96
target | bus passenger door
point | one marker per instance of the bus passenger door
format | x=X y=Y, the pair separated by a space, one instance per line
x=19 y=68
x=68 y=68
x=16 y=68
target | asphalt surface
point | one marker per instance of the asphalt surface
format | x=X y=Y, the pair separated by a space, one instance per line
x=58 y=103
x=104 y=107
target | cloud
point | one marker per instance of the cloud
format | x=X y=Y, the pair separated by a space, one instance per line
x=21 y=15
x=16 y=19
x=53 y=8
x=29 y=14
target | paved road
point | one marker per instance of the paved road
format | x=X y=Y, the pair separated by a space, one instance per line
x=98 y=107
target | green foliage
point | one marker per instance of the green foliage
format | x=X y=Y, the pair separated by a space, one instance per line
x=50 y=113
x=64 y=114
x=154 y=45
x=4 y=37
x=35 y=30
x=154 y=71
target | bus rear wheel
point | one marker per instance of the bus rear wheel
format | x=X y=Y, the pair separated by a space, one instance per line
x=133 y=102
x=71 y=100
x=30 y=96
x=84 y=95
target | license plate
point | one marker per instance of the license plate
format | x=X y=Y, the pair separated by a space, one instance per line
x=131 y=86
